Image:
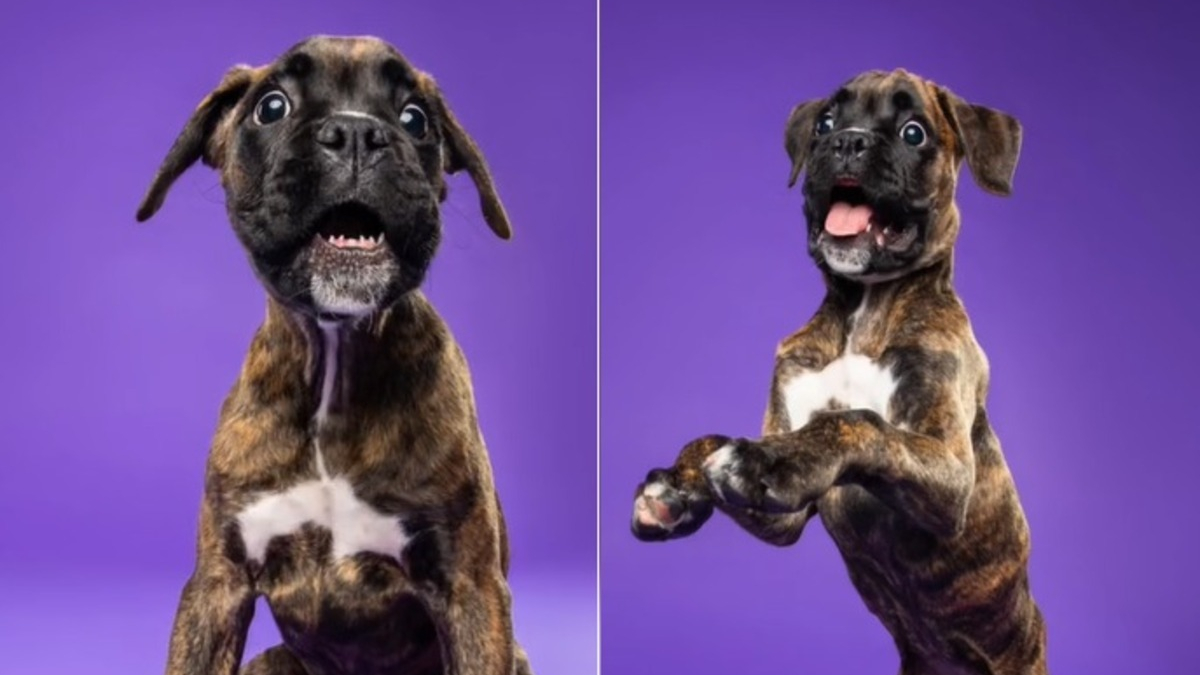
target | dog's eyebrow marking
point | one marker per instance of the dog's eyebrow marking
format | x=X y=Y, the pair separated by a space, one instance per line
x=843 y=95
x=395 y=72
x=298 y=65
x=902 y=100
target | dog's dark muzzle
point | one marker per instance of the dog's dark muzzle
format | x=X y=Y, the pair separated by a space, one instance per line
x=357 y=139
x=849 y=151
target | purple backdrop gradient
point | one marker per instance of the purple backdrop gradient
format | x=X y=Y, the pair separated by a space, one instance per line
x=1079 y=287
x=121 y=340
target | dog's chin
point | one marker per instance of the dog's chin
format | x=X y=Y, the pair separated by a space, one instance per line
x=864 y=257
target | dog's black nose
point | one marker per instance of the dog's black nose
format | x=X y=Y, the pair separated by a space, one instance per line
x=351 y=137
x=852 y=144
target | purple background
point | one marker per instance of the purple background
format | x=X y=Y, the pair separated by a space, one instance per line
x=120 y=340
x=1080 y=287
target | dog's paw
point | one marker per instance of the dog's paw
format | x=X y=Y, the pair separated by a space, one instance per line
x=662 y=511
x=741 y=475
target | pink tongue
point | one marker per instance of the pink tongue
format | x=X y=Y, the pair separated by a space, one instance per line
x=846 y=221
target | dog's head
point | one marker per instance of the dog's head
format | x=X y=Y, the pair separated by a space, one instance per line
x=332 y=160
x=881 y=158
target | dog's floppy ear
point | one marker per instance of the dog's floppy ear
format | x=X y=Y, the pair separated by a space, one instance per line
x=798 y=135
x=991 y=141
x=462 y=153
x=199 y=138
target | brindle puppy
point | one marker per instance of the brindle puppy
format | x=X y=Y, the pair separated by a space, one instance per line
x=348 y=481
x=877 y=417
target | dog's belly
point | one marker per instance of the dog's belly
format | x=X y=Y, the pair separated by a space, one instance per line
x=350 y=616
x=850 y=382
x=331 y=569
x=948 y=602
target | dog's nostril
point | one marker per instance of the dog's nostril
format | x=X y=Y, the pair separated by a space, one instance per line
x=376 y=138
x=331 y=136
x=851 y=145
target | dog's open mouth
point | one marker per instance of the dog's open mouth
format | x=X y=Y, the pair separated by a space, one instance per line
x=852 y=218
x=351 y=227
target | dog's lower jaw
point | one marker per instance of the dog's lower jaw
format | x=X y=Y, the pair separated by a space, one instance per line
x=329 y=302
x=850 y=262
x=354 y=292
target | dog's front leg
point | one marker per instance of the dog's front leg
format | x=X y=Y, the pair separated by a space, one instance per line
x=214 y=613
x=674 y=502
x=926 y=474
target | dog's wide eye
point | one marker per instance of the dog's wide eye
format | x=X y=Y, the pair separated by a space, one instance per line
x=272 y=107
x=825 y=124
x=414 y=121
x=913 y=133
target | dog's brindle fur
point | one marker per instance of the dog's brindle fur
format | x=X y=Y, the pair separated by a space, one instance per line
x=380 y=401
x=913 y=488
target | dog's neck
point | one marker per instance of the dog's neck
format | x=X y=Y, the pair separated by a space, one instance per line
x=340 y=362
x=854 y=297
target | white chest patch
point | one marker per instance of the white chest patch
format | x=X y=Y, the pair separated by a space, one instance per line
x=851 y=381
x=328 y=501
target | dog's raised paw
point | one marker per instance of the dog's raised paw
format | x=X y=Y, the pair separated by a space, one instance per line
x=661 y=511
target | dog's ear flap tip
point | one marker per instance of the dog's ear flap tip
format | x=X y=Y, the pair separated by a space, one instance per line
x=146 y=210
x=997 y=188
x=794 y=176
x=502 y=228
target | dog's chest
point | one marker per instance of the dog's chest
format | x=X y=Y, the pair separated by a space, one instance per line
x=850 y=382
x=326 y=501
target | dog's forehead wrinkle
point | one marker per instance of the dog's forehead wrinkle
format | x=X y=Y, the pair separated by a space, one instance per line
x=870 y=103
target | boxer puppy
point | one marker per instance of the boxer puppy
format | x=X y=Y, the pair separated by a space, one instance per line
x=877 y=418
x=348 y=482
